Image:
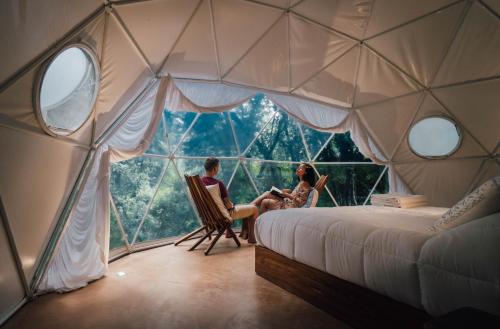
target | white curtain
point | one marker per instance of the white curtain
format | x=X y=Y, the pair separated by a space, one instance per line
x=82 y=253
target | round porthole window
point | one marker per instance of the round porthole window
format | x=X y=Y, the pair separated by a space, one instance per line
x=434 y=137
x=67 y=90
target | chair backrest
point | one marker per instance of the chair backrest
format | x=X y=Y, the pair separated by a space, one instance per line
x=210 y=214
x=320 y=184
x=318 y=188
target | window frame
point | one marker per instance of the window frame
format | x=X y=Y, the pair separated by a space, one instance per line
x=37 y=88
x=436 y=157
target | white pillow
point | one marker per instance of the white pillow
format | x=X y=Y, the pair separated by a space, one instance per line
x=483 y=201
x=214 y=191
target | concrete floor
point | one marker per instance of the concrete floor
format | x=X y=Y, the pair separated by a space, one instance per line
x=170 y=287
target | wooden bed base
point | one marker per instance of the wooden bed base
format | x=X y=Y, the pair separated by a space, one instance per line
x=357 y=306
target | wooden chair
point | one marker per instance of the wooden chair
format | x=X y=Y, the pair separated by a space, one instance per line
x=212 y=218
x=318 y=188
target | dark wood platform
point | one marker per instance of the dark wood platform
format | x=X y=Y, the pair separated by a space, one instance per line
x=357 y=306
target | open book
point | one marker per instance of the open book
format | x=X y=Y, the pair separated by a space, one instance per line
x=276 y=192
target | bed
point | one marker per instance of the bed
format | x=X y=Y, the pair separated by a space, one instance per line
x=384 y=255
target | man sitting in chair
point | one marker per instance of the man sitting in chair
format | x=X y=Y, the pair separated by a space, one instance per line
x=248 y=213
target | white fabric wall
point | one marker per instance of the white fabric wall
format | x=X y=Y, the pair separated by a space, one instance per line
x=10 y=284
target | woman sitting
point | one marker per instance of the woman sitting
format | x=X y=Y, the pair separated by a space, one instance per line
x=289 y=199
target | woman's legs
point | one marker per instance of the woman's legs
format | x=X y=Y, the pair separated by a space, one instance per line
x=269 y=204
x=259 y=199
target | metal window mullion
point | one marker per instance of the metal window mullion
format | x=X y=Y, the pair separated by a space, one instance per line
x=150 y=203
x=323 y=147
x=186 y=133
x=193 y=206
x=375 y=185
x=250 y=177
x=119 y=221
x=235 y=138
x=326 y=187
x=259 y=133
x=13 y=249
x=273 y=161
x=188 y=157
x=309 y=158
x=233 y=174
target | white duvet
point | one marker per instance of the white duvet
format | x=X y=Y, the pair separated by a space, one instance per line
x=390 y=251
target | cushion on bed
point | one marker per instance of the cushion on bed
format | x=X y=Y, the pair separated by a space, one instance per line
x=461 y=267
x=214 y=191
x=483 y=201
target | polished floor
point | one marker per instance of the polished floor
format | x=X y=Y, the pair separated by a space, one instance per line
x=169 y=287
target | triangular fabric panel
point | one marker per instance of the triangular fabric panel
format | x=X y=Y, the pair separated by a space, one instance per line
x=378 y=80
x=123 y=75
x=29 y=28
x=347 y=16
x=280 y=140
x=169 y=205
x=387 y=14
x=388 y=121
x=490 y=169
x=476 y=105
x=35 y=165
x=418 y=48
x=493 y=5
x=429 y=177
x=335 y=84
x=430 y=107
x=474 y=53
x=132 y=185
x=10 y=285
x=16 y=102
x=194 y=55
x=148 y=24
x=277 y=3
x=241 y=190
x=266 y=65
x=211 y=135
x=312 y=48
x=232 y=20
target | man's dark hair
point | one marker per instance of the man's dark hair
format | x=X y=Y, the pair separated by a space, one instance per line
x=211 y=163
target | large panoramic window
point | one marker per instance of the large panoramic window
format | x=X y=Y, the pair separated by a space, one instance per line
x=258 y=145
x=67 y=90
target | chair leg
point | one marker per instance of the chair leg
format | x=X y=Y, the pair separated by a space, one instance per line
x=201 y=240
x=214 y=241
x=235 y=238
x=209 y=234
x=186 y=237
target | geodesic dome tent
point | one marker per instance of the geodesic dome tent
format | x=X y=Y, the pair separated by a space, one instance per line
x=414 y=82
